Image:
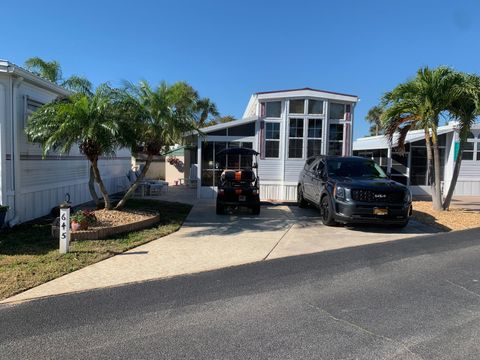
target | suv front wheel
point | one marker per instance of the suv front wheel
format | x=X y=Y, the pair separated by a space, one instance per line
x=300 y=199
x=326 y=211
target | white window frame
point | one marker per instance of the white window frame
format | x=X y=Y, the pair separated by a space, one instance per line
x=304 y=107
x=475 y=149
x=265 y=140
x=308 y=105
x=272 y=101
x=307 y=121
x=290 y=118
x=330 y=110
x=335 y=122
x=27 y=112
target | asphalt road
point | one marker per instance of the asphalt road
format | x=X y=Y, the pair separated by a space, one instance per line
x=409 y=299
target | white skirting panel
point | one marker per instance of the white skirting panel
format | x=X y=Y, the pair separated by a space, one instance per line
x=268 y=192
x=467 y=188
x=278 y=192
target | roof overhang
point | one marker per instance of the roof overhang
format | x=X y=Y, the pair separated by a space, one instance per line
x=222 y=126
x=381 y=142
x=10 y=68
x=307 y=92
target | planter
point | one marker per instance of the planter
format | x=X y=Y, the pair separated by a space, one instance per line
x=77 y=226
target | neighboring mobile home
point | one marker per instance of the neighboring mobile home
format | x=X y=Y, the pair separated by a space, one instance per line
x=29 y=185
x=285 y=127
x=411 y=168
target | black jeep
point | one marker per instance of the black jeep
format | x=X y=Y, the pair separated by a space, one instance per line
x=239 y=185
x=353 y=190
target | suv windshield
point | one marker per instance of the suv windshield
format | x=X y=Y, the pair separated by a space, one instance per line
x=355 y=168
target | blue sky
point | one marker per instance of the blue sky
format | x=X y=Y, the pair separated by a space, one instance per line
x=230 y=49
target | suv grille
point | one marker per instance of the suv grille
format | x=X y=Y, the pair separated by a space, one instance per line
x=377 y=196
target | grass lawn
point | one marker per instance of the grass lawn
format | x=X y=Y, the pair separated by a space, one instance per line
x=29 y=256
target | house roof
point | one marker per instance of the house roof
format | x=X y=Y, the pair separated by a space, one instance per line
x=305 y=88
x=305 y=92
x=381 y=142
x=10 y=68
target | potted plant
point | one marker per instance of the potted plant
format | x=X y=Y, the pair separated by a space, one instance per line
x=82 y=219
x=3 y=213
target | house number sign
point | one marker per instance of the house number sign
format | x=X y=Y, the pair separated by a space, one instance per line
x=65 y=225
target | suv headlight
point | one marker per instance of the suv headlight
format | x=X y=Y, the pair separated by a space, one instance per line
x=408 y=196
x=339 y=193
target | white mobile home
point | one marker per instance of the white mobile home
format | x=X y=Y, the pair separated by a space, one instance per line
x=285 y=127
x=29 y=185
x=411 y=167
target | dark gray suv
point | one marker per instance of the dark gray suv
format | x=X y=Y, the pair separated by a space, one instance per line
x=353 y=190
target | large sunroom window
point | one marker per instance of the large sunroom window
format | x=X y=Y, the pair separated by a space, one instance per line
x=272 y=140
x=335 y=139
x=469 y=148
x=337 y=111
x=273 y=109
x=297 y=106
x=314 y=137
x=295 y=138
x=315 y=107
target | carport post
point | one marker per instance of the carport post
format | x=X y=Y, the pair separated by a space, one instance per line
x=389 y=160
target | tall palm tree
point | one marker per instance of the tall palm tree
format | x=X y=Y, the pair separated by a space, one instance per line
x=206 y=108
x=374 y=118
x=91 y=122
x=52 y=71
x=418 y=104
x=464 y=108
x=161 y=116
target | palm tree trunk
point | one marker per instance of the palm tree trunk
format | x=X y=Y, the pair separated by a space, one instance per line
x=102 y=187
x=134 y=186
x=429 y=174
x=91 y=187
x=456 y=172
x=436 y=186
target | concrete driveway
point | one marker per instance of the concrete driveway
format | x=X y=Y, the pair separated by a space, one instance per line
x=207 y=241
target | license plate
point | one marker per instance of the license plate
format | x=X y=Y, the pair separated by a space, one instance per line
x=380 y=211
x=242 y=198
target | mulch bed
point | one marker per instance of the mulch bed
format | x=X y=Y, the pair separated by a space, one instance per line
x=112 y=222
x=453 y=219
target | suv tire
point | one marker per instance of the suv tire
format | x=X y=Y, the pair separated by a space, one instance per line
x=326 y=211
x=300 y=199
x=256 y=209
x=220 y=209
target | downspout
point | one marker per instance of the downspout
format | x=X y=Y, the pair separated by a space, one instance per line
x=3 y=148
x=15 y=157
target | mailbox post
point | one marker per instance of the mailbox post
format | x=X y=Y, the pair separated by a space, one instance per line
x=65 y=225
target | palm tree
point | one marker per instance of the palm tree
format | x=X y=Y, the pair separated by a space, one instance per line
x=161 y=116
x=374 y=118
x=418 y=104
x=52 y=71
x=91 y=122
x=206 y=108
x=464 y=108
